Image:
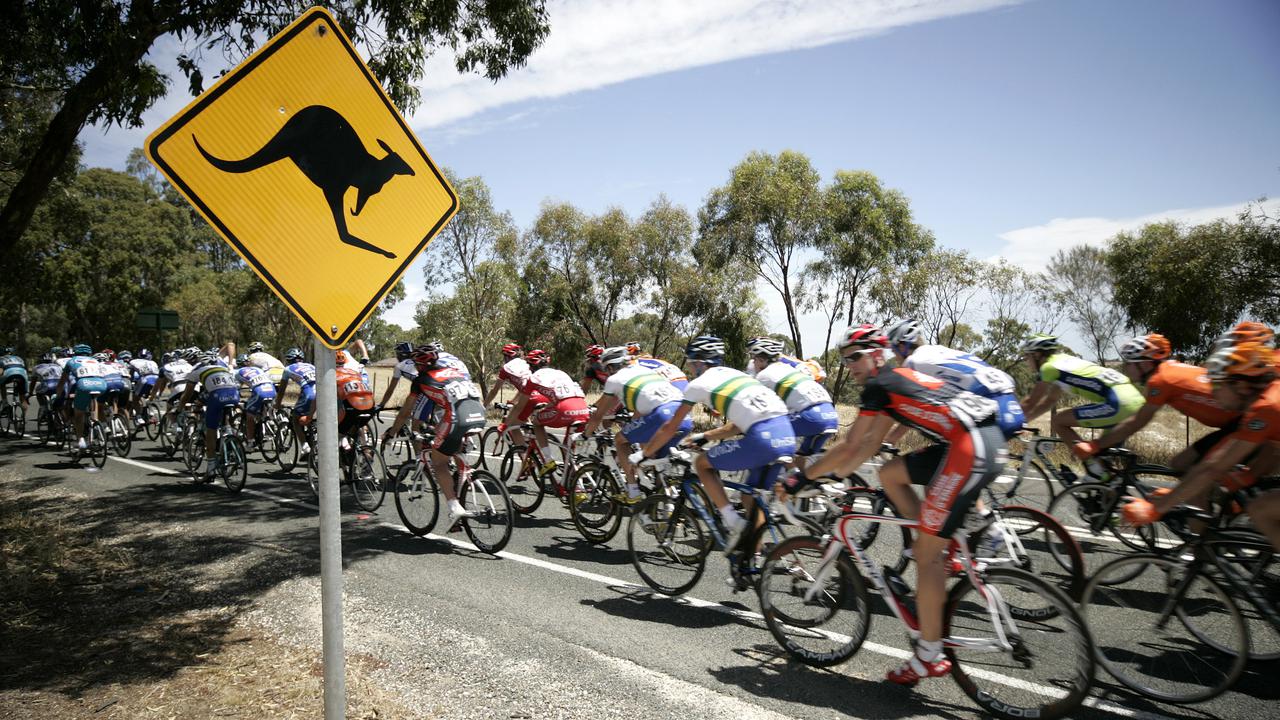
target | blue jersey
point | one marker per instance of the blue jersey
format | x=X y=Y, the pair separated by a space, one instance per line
x=302 y=373
x=960 y=370
x=450 y=360
x=13 y=366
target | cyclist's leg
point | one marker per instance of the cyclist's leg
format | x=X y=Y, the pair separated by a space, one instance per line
x=304 y=407
x=760 y=445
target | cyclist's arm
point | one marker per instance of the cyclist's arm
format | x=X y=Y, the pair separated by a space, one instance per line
x=403 y=415
x=605 y=405
x=1124 y=430
x=1200 y=478
x=284 y=383
x=516 y=408
x=363 y=355
x=187 y=392
x=228 y=353
x=726 y=430
x=862 y=442
x=493 y=391
x=161 y=383
x=391 y=387
x=1043 y=396
x=667 y=431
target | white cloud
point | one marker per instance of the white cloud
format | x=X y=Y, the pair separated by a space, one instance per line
x=1031 y=247
x=594 y=43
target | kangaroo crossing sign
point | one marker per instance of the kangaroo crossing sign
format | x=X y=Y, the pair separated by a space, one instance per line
x=300 y=161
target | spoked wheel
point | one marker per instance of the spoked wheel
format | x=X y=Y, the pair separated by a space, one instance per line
x=368 y=477
x=168 y=435
x=493 y=447
x=819 y=616
x=596 y=515
x=417 y=498
x=286 y=443
x=1035 y=542
x=234 y=467
x=6 y=419
x=1089 y=511
x=397 y=450
x=268 y=441
x=883 y=542
x=97 y=445
x=121 y=438
x=313 y=474
x=1049 y=669
x=668 y=544
x=1251 y=559
x=1034 y=489
x=19 y=421
x=523 y=483
x=489 y=526
x=1182 y=639
x=193 y=453
x=151 y=421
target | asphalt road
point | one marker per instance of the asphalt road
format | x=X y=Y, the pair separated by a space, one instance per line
x=554 y=627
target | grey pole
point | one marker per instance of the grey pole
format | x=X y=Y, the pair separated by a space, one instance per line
x=326 y=418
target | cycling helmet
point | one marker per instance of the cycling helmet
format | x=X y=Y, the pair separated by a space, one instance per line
x=904 y=331
x=766 y=346
x=6 y=351
x=616 y=355
x=242 y=359
x=595 y=352
x=82 y=350
x=56 y=350
x=538 y=358
x=145 y=354
x=48 y=357
x=256 y=347
x=510 y=350
x=865 y=335
x=166 y=358
x=404 y=350
x=111 y=354
x=293 y=355
x=1246 y=331
x=436 y=346
x=633 y=348
x=425 y=355
x=1146 y=347
x=101 y=357
x=124 y=356
x=340 y=358
x=703 y=347
x=191 y=354
x=1246 y=360
x=65 y=352
x=1040 y=343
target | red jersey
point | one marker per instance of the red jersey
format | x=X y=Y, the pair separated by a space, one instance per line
x=446 y=387
x=1186 y=388
x=1261 y=422
x=932 y=406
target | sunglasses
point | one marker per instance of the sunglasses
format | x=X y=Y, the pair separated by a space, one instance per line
x=856 y=355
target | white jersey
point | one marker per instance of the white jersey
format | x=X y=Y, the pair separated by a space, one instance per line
x=49 y=374
x=555 y=384
x=125 y=375
x=641 y=389
x=144 y=368
x=740 y=398
x=267 y=362
x=515 y=371
x=961 y=370
x=405 y=369
x=796 y=387
x=62 y=362
x=175 y=375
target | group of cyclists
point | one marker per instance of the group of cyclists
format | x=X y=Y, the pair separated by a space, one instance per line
x=779 y=423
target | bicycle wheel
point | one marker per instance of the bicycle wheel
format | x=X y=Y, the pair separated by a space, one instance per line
x=591 y=504
x=151 y=415
x=417 y=498
x=1049 y=670
x=368 y=477
x=1248 y=557
x=1149 y=650
x=1034 y=490
x=489 y=526
x=523 y=484
x=121 y=438
x=668 y=545
x=883 y=542
x=1037 y=543
x=395 y=451
x=265 y=442
x=827 y=629
x=168 y=436
x=97 y=445
x=313 y=475
x=1087 y=511
x=493 y=447
x=286 y=444
x=233 y=467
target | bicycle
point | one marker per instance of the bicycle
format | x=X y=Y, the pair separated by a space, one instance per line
x=530 y=484
x=119 y=436
x=95 y=437
x=417 y=497
x=815 y=601
x=595 y=506
x=664 y=535
x=1223 y=588
x=13 y=420
x=151 y=414
x=360 y=464
x=493 y=444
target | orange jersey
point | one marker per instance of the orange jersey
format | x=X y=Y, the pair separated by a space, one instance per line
x=352 y=389
x=1187 y=389
x=1261 y=422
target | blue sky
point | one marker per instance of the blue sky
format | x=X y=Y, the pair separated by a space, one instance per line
x=1014 y=128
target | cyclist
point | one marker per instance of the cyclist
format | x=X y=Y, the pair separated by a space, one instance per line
x=458 y=399
x=1184 y=387
x=262 y=392
x=557 y=402
x=967 y=454
x=593 y=370
x=355 y=400
x=451 y=360
x=514 y=370
x=117 y=389
x=344 y=361
x=1244 y=378
x=1112 y=397
x=673 y=374
x=750 y=409
x=14 y=373
x=47 y=373
x=303 y=373
x=82 y=380
x=808 y=367
x=404 y=369
x=960 y=369
x=650 y=398
x=813 y=417
x=259 y=357
x=218 y=389
x=145 y=373
x=173 y=377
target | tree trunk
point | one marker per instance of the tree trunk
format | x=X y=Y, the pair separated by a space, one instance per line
x=792 y=321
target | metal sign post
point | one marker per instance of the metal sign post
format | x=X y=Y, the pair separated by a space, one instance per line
x=326 y=420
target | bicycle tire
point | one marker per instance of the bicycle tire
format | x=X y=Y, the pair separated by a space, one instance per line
x=417 y=498
x=192 y=451
x=233 y=465
x=492 y=519
x=313 y=476
x=1249 y=556
x=168 y=438
x=121 y=438
x=1047 y=549
x=493 y=447
x=591 y=506
x=265 y=430
x=524 y=486
x=285 y=446
x=1156 y=661
x=19 y=421
x=1035 y=489
x=1086 y=510
x=394 y=452
x=1070 y=667
x=368 y=478
x=151 y=417
x=830 y=628
x=6 y=418
x=664 y=535
x=97 y=445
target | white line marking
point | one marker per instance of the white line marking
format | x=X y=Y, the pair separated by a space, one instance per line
x=875 y=647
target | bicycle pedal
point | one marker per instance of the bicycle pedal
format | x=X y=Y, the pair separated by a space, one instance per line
x=456 y=528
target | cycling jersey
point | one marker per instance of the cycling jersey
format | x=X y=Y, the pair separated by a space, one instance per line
x=267 y=362
x=1187 y=389
x=960 y=369
x=261 y=388
x=1113 y=397
x=515 y=371
x=808 y=367
x=86 y=373
x=555 y=385
x=640 y=389
x=594 y=371
x=458 y=399
x=405 y=369
x=175 y=375
x=218 y=387
x=936 y=408
x=305 y=375
x=673 y=374
x=14 y=371
x=354 y=395
x=735 y=395
x=450 y=360
x=144 y=368
x=47 y=375
x=796 y=387
x=1261 y=422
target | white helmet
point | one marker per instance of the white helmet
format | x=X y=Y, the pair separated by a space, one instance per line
x=767 y=346
x=1040 y=343
x=904 y=331
x=617 y=355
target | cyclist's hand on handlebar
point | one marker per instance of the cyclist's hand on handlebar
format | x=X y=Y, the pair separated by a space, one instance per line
x=636 y=457
x=1139 y=512
x=694 y=440
x=795 y=483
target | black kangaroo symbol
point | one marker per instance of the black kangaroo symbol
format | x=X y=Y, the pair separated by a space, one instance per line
x=325 y=148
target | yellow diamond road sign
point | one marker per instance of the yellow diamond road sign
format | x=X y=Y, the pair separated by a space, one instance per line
x=300 y=161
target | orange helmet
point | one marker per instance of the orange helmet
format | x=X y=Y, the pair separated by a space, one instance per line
x=1146 y=347
x=341 y=357
x=1246 y=360
x=1249 y=331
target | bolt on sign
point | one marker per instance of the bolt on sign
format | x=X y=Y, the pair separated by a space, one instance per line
x=300 y=161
